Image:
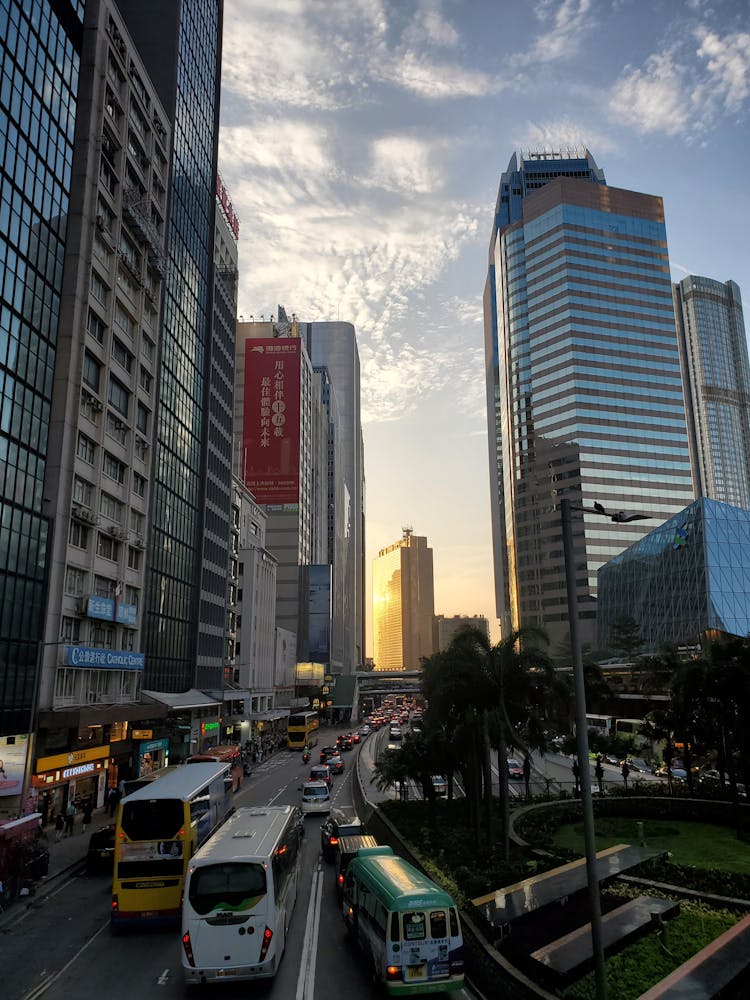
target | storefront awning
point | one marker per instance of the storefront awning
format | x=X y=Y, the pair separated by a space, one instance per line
x=182 y=701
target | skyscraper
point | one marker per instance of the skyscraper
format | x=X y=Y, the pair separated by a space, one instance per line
x=34 y=191
x=584 y=393
x=403 y=604
x=716 y=376
x=181 y=48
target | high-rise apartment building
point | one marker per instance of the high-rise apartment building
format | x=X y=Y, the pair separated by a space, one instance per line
x=584 y=391
x=403 y=604
x=716 y=379
x=334 y=345
x=449 y=627
x=37 y=127
x=181 y=49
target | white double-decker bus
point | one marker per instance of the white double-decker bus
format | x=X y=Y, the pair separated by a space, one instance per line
x=240 y=891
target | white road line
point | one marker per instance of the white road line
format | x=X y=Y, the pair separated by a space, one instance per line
x=44 y=986
x=306 y=980
x=280 y=792
x=162 y=980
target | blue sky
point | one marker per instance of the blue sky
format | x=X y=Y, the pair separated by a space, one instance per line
x=362 y=144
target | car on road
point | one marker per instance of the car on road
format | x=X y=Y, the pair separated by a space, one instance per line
x=440 y=785
x=345 y=850
x=355 y=738
x=327 y=752
x=340 y=823
x=316 y=797
x=322 y=772
x=345 y=743
x=100 y=858
x=612 y=758
x=638 y=764
x=336 y=763
x=515 y=770
x=364 y=731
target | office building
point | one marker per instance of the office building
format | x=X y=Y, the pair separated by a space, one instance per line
x=584 y=391
x=686 y=579
x=281 y=439
x=403 y=604
x=185 y=647
x=448 y=628
x=333 y=345
x=716 y=377
x=37 y=128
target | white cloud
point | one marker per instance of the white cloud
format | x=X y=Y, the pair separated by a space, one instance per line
x=653 y=98
x=570 y=20
x=417 y=73
x=563 y=134
x=404 y=163
x=728 y=65
x=430 y=26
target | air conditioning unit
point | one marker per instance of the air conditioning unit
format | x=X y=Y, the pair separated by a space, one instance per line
x=83 y=606
x=89 y=515
x=118 y=532
x=96 y=406
x=139 y=543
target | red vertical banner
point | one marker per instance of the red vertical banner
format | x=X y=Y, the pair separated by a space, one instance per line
x=271 y=431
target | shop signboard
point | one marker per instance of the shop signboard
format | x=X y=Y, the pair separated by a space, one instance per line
x=141 y=734
x=209 y=727
x=107 y=609
x=103 y=659
x=72 y=757
x=12 y=763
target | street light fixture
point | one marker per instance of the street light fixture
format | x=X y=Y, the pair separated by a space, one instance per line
x=582 y=736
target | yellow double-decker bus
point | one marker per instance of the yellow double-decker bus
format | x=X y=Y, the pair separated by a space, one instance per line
x=159 y=829
x=302 y=730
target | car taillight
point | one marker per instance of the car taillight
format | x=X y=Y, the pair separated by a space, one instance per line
x=341 y=879
x=392 y=972
x=188 y=948
x=333 y=841
x=267 y=935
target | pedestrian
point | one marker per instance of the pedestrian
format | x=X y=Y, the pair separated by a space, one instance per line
x=59 y=827
x=527 y=775
x=88 y=808
x=113 y=797
x=70 y=815
x=599 y=773
x=625 y=772
x=576 y=776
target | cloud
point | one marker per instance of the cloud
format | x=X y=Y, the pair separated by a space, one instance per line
x=416 y=72
x=685 y=93
x=406 y=164
x=431 y=27
x=563 y=134
x=570 y=22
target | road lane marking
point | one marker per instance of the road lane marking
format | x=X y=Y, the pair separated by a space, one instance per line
x=280 y=792
x=162 y=980
x=306 y=980
x=44 y=986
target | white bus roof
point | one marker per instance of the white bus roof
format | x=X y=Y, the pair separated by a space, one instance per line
x=250 y=834
x=180 y=783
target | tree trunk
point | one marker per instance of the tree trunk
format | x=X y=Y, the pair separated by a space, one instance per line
x=487 y=772
x=502 y=767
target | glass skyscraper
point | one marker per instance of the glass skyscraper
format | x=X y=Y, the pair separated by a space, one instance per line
x=403 y=604
x=716 y=376
x=182 y=50
x=584 y=393
x=40 y=48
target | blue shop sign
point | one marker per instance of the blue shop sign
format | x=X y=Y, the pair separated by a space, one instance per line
x=126 y=614
x=152 y=745
x=103 y=659
x=106 y=609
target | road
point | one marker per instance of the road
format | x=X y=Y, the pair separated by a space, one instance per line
x=62 y=947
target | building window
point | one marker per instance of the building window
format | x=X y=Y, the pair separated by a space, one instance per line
x=140 y=448
x=128 y=639
x=91 y=371
x=113 y=469
x=136 y=522
x=124 y=323
x=147 y=348
x=83 y=492
x=118 y=396
x=141 y=419
x=110 y=508
x=122 y=355
x=98 y=289
x=132 y=596
x=78 y=535
x=139 y=485
x=95 y=327
x=102 y=636
x=107 y=547
x=145 y=380
x=103 y=587
x=134 y=558
x=116 y=428
x=75 y=581
x=86 y=449
x=70 y=629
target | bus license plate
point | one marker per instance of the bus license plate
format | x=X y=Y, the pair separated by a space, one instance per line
x=229 y=972
x=148 y=913
x=415 y=971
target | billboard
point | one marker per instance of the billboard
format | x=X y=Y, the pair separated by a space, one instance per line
x=319 y=613
x=271 y=419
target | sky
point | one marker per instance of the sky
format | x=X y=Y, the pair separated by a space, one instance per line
x=362 y=143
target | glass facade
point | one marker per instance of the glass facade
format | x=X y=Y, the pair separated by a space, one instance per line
x=689 y=576
x=39 y=59
x=403 y=602
x=584 y=389
x=713 y=348
x=190 y=33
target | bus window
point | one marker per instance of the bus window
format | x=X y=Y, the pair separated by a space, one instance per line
x=232 y=886
x=395 y=929
x=438 y=924
x=414 y=926
x=454 y=922
x=158 y=819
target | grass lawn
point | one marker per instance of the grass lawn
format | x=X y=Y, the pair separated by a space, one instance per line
x=700 y=844
x=646 y=962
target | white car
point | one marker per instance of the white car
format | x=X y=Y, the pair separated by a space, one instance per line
x=316 y=797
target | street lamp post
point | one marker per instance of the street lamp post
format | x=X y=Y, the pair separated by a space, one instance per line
x=582 y=736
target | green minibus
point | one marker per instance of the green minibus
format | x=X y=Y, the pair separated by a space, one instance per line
x=407 y=927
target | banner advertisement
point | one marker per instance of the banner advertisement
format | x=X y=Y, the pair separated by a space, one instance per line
x=12 y=763
x=271 y=419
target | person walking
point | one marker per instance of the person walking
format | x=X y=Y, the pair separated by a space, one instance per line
x=625 y=772
x=70 y=816
x=599 y=774
x=59 y=827
x=113 y=797
x=88 y=808
x=576 y=776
